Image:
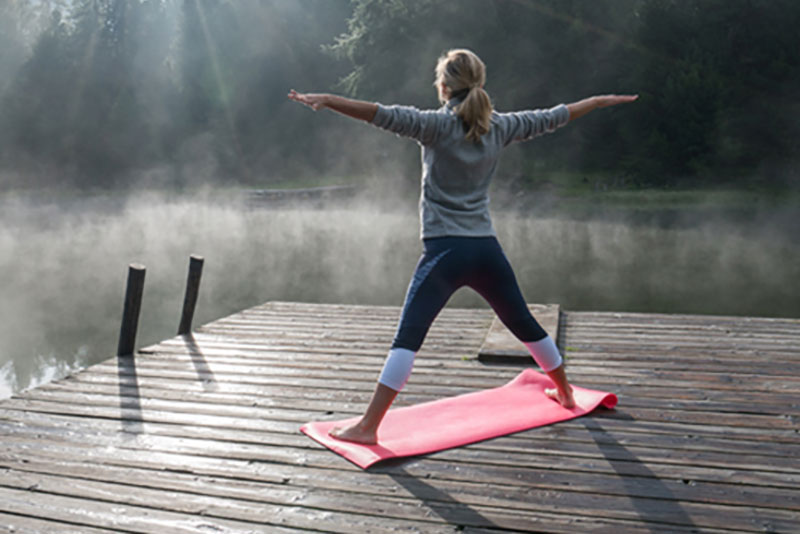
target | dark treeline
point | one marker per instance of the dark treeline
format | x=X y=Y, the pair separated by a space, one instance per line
x=181 y=92
x=165 y=92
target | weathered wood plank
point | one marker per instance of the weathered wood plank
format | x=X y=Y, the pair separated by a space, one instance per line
x=500 y=345
x=21 y=524
x=87 y=402
x=702 y=361
x=449 y=373
x=761 y=469
x=120 y=518
x=646 y=394
x=526 y=500
x=513 y=495
x=331 y=399
x=620 y=433
x=272 y=447
x=236 y=503
x=297 y=508
x=781 y=429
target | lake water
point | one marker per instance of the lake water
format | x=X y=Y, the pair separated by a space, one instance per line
x=63 y=265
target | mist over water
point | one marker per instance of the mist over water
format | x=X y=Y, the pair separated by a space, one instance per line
x=63 y=265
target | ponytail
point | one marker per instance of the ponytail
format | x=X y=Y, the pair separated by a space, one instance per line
x=464 y=73
x=476 y=112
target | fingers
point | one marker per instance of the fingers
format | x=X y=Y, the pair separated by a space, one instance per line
x=305 y=98
x=622 y=99
x=297 y=97
x=613 y=100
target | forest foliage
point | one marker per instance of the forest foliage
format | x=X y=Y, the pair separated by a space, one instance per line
x=183 y=92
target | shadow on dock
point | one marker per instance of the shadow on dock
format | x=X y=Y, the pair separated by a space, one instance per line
x=204 y=372
x=439 y=502
x=130 y=405
x=661 y=505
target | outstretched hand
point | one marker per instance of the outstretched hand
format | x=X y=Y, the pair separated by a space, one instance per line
x=357 y=109
x=604 y=101
x=582 y=107
x=312 y=100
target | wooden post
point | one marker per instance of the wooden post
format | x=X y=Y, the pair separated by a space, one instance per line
x=130 y=314
x=192 y=290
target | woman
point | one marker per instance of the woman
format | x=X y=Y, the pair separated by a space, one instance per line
x=460 y=143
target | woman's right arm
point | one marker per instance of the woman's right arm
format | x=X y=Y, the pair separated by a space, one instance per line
x=582 y=107
x=357 y=109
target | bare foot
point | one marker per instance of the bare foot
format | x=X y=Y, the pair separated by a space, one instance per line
x=355 y=434
x=567 y=401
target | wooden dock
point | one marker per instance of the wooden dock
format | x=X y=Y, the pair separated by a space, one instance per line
x=199 y=434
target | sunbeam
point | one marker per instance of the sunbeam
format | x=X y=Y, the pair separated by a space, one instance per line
x=222 y=87
x=86 y=61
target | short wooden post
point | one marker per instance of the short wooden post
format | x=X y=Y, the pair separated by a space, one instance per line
x=130 y=314
x=192 y=290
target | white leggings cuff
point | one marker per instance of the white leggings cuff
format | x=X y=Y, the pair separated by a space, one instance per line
x=545 y=353
x=397 y=368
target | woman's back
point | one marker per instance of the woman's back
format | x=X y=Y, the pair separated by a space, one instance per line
x=456 y=170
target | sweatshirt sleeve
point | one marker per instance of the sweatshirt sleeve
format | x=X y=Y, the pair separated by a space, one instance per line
x=407 y=121
x=525 y=125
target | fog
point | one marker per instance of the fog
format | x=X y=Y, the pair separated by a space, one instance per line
x=63 y=263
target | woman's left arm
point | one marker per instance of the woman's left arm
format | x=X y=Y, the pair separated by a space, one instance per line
x=582 y=107
x=357 y=109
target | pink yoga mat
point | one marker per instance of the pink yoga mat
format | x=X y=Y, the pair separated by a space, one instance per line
x=451 y=422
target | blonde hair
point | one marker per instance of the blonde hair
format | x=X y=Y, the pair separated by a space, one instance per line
x=463 y=71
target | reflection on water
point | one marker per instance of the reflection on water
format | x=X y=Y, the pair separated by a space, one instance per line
x=63 y=267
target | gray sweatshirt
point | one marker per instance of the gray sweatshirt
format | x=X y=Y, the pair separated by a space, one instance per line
x=456 y=172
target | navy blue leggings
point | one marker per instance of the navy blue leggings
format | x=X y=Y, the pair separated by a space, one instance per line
x=449 y=263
